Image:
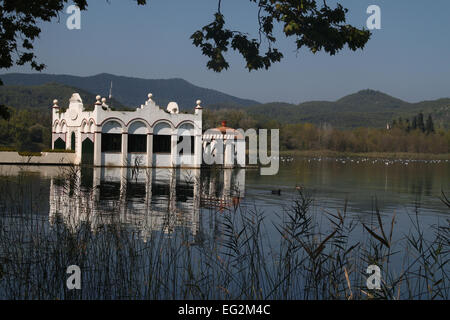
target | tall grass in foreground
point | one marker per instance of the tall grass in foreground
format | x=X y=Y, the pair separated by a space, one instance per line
x=233 y=259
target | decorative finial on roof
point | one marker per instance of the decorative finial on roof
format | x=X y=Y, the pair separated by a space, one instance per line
x=104 y=100
x=98 y=102
x=199 y=102
x=149 y=101
x=55 y=103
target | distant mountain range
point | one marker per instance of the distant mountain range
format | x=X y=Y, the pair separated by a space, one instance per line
x=132 y=92
x=366 y=108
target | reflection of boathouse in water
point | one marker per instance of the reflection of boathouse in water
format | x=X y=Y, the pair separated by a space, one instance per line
x=145 y=199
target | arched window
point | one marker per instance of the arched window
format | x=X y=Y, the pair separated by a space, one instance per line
x=112 y=137
x=63 y=127
x=91 y=127
x=137 y=137
x=162 y=134
x=186 y=139
x=84 y=127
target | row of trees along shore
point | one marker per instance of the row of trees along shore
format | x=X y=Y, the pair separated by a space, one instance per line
x=30 y=130
x=419 y=137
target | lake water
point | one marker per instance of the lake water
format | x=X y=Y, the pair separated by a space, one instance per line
x=168 y=201
x=394 y=187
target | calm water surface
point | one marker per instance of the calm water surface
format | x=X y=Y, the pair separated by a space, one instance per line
x=394 y=187
x=401 y=188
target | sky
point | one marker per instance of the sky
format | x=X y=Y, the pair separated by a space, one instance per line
x=408 y=58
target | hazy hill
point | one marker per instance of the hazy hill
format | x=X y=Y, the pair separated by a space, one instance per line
x=42 y=96
x=132 y=92
x=371 y=101
x=367 y=108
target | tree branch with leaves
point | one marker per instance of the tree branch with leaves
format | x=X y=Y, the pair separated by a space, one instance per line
x=311 y=25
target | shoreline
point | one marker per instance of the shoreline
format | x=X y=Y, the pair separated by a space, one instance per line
x=372 y=155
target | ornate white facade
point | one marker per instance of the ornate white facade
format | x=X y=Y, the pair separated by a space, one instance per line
x=88 y=127
x=147 y=137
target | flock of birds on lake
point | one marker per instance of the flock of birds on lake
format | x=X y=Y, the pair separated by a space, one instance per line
x=386 y=162
x=284 y=159
x=289 y=159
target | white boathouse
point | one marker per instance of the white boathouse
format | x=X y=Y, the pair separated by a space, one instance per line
x=149 y=136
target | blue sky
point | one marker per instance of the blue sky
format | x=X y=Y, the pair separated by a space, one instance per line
x=408 y=58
